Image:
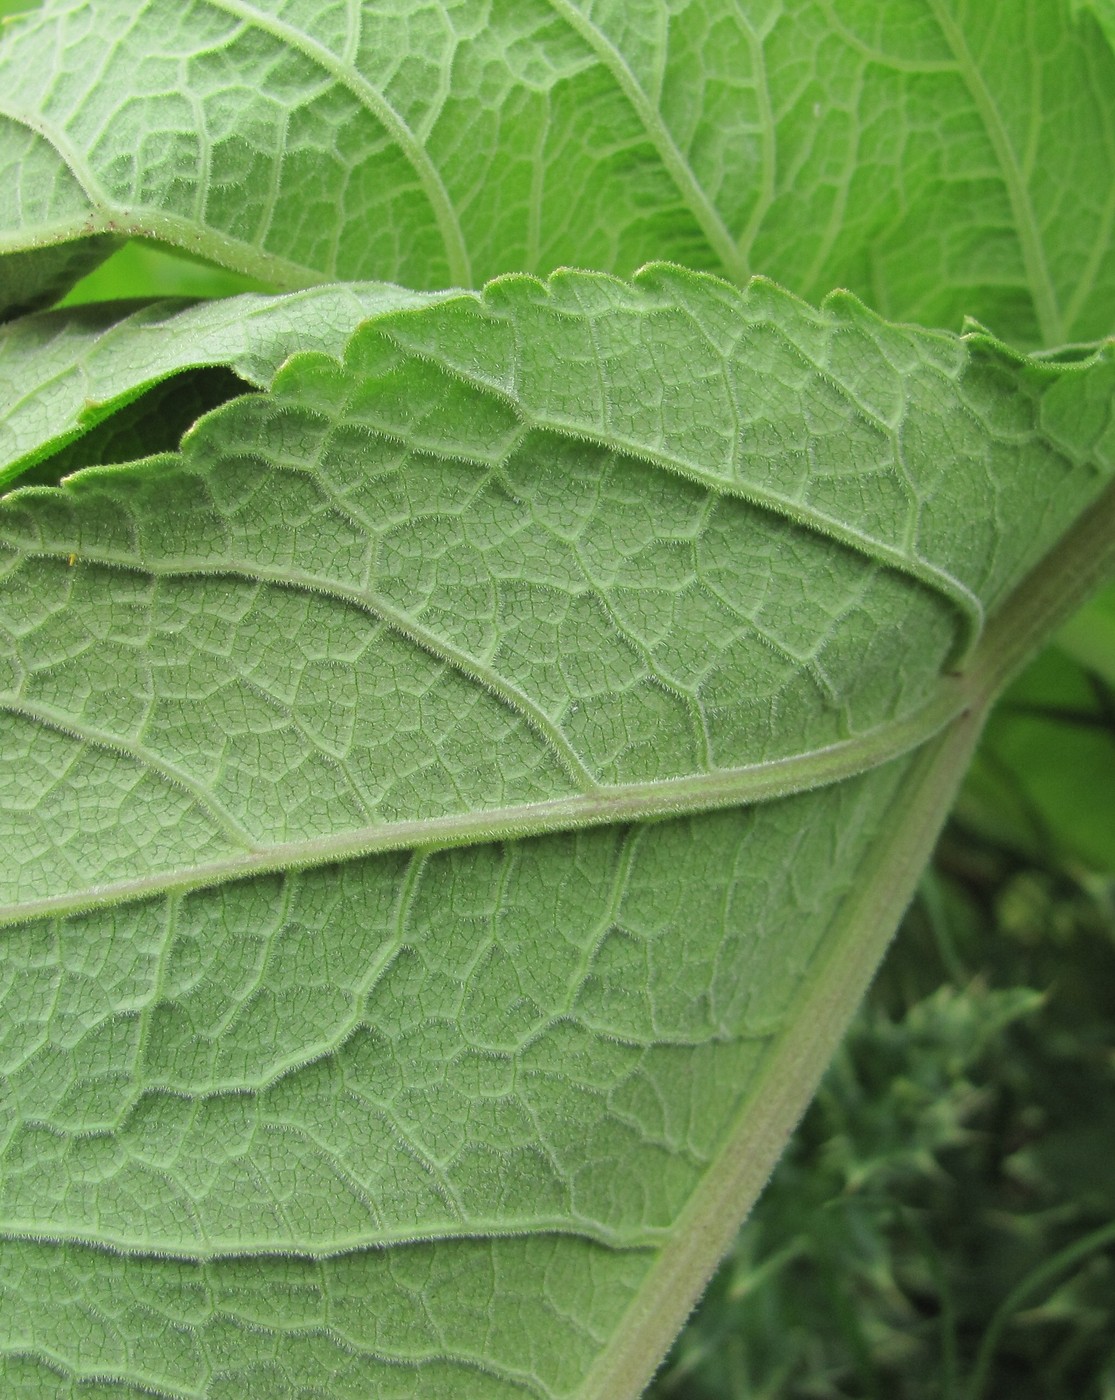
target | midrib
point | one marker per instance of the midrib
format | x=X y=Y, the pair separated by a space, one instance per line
x=668 y=798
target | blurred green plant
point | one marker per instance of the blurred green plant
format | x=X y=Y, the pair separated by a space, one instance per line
x=139 y=269
x=941 y=1227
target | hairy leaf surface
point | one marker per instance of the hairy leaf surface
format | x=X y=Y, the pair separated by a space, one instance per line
x=573 y=540
x=425 y=850
x=940 y=159
x=64 y=372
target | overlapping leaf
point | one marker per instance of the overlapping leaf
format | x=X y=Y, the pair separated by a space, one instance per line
x=939 y=159
x=62 y=373
x=551 y=545
x=368 y=1100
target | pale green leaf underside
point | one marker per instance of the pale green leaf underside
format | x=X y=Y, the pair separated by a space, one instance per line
x=508 y=1042
x=555 y=546
x=940 y=159
x=63 y=372
x=550 y=545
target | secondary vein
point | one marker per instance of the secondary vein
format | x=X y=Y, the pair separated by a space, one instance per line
x=681 y=172
x=965 y=602
x=460 y=270
x=139 y=753
x=1042 y=290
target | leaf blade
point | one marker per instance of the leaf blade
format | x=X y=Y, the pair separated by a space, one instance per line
x=796 y=142
x=291 y=1092
x=324 y=507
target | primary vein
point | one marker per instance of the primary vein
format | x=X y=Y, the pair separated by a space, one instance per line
x=624 y=802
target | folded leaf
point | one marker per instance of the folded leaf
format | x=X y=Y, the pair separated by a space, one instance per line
x=447 y=801
x=63 y=372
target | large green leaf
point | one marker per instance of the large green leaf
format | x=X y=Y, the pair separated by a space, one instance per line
x=455 y=801
x=940 y=159
x=466 y=482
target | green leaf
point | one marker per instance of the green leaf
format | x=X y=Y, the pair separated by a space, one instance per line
x=1042 y=781
x=941 y=159
x=549 y=602
x=62 y=373
x=1104 y=12
x=430 y=894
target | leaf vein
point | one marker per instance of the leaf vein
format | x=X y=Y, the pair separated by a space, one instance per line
x=162 y=768
x=1042 y=290
x=671 y=797
x=460 y=270
x=681 y=172
x=964 y=601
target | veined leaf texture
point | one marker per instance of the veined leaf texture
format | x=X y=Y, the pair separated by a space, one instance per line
x=456 y=745
x=940 y=158
x=529 y=566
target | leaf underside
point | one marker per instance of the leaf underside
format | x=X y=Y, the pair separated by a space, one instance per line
x=940 y=159
x=459 y=751
x=355 y=1034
